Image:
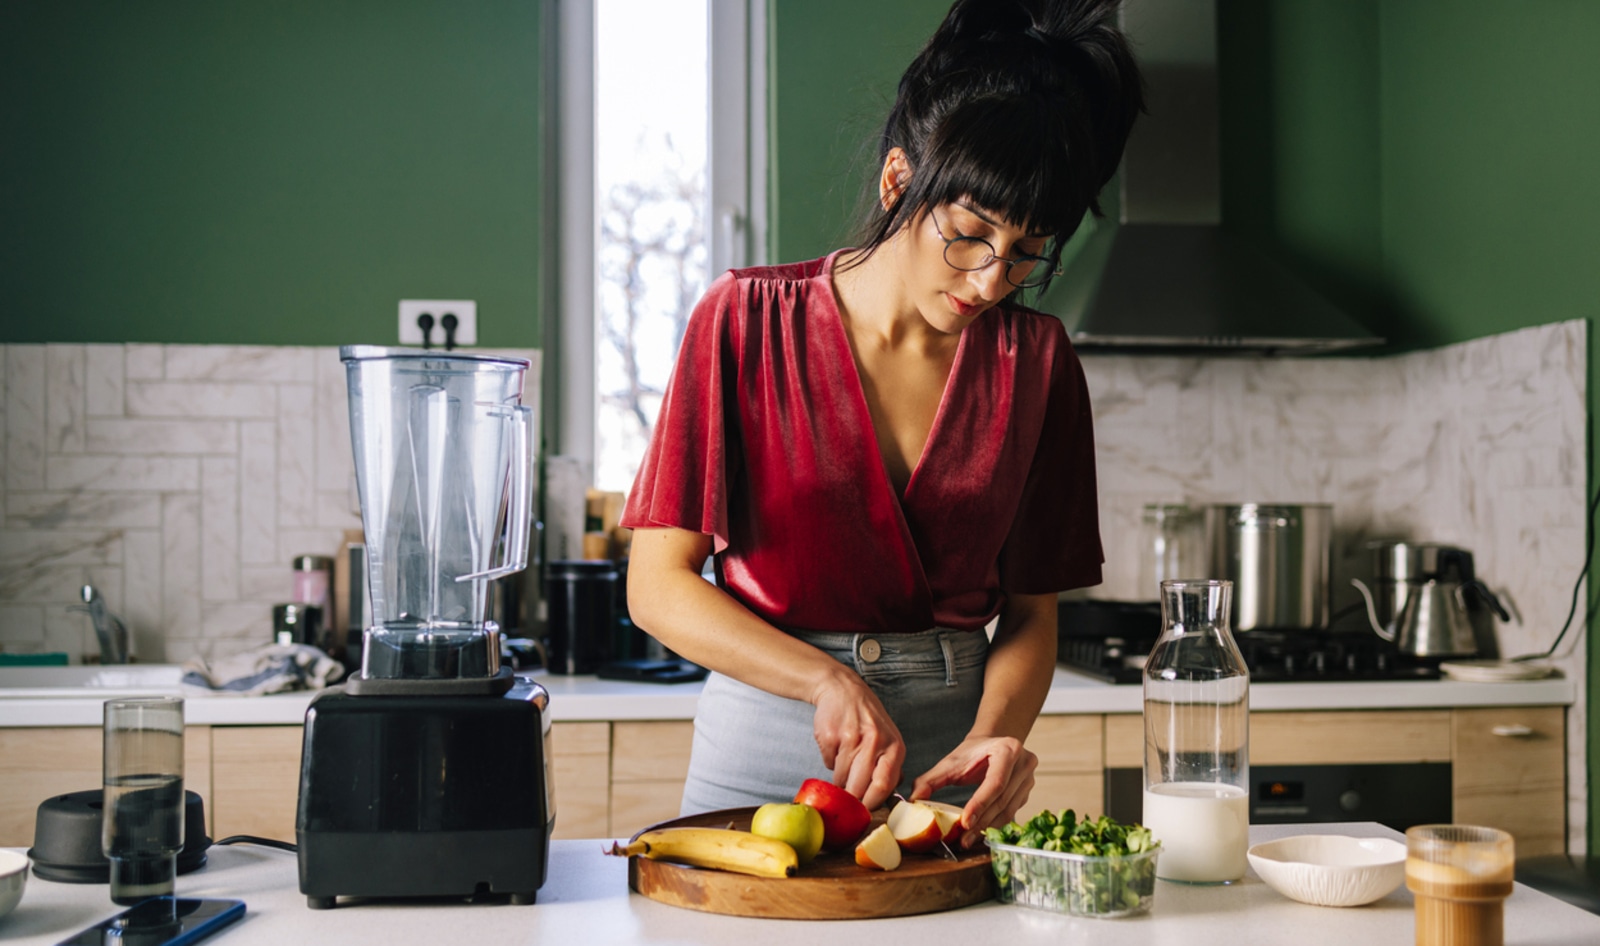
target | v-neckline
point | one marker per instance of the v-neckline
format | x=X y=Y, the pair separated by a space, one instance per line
x=864 y=410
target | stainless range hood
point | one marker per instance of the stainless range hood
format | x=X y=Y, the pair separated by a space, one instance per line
x=1165 y=277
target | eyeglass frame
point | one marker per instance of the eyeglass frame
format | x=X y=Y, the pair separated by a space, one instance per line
x=1049 y=273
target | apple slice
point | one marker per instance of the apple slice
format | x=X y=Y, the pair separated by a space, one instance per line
x=879 y=849
x=915 y=826
x=949 y=817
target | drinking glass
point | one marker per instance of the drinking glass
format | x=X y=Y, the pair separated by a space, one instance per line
x=142 y=824
x=1460 y=876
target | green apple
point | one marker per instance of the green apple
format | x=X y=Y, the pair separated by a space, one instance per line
x=799 y=826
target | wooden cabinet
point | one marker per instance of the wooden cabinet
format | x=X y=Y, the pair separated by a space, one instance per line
x=649 y=761
x=1508 y=772
x=613 y=778
x=580 y=765
x=44 y=762
x=255 y=778
x=1071 y=768
x=1508 y=764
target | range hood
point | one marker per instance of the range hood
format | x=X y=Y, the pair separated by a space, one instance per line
x=1159 y=274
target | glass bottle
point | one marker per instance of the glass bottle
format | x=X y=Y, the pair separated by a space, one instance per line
x=1197 y=737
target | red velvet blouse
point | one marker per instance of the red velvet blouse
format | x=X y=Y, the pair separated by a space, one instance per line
x=765 y=442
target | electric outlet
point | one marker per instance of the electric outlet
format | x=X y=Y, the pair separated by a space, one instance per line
x=465 y=311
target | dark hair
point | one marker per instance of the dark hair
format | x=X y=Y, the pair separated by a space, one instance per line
x=1023 y=106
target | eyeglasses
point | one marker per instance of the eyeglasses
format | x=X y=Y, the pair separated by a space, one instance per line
x=970 y=254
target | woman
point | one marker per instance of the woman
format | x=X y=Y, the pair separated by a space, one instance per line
x=885 y=453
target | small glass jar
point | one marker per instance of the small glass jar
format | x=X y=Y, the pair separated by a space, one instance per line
x=1197 y=738
x=1173 y=546
x=313 y=575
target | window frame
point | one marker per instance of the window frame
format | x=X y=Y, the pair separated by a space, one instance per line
x=736 y=156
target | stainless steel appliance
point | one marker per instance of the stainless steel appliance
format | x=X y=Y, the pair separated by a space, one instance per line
x=427 y=774
x=1424 y=597
x=1277 y=557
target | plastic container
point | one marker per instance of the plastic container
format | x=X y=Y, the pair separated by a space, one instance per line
x=1076 y=884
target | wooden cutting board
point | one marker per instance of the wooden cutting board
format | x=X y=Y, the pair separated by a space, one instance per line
x=831 y=887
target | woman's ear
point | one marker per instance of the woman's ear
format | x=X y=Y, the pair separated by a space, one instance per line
x=896 y=175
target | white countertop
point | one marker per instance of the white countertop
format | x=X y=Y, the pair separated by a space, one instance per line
x=586 y=900
x=589 y=698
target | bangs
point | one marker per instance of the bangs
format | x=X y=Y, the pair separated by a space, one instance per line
x=1009 y=156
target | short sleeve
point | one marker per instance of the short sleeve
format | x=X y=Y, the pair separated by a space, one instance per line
x=684 y=475
x=1054 y=542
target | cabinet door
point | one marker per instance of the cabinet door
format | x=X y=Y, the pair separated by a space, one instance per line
x=649 y=761
x=255 y=780
x=1509 y=767
x=45 y=762
x=1071 y=771
x=40 y=764
x=580 y=760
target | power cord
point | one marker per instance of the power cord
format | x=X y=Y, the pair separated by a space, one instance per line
x=264 y=842
x=1577 y=586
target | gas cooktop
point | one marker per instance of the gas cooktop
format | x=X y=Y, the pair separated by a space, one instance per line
x=1109 y=640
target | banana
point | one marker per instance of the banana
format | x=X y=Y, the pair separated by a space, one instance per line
x=720 y=848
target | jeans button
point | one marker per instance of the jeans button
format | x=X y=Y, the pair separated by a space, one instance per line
x=870 y=650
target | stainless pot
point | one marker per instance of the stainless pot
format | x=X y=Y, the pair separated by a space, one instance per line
x=1277 y=557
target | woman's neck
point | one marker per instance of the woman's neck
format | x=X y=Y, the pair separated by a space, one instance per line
x=874 y=301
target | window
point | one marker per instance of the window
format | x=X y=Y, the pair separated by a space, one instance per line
x=662 y=117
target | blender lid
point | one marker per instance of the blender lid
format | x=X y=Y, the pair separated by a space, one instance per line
x=380 y=353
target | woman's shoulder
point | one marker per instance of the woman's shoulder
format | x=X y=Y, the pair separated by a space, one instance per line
x=1029 y=328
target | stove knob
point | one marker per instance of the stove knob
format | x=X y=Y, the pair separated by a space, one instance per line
x=1350 y=799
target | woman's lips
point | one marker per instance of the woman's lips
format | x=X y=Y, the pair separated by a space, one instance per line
x=961 y=308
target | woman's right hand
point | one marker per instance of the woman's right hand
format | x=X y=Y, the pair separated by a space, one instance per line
x=858 y=740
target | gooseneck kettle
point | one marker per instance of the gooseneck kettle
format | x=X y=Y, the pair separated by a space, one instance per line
x=1426 y=594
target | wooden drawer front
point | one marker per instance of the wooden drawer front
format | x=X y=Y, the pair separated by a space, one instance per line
x=581 y=766
x=1349 y=737
x=638 y=805
x=1125 y=742
x=1084 y=794
x=197 y=768
x=650 y=751
x=255 y=778
x=1067 y=743
x=36 y=764
x=1514 y=780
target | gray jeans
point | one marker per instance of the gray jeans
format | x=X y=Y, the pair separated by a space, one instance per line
x=751 y=747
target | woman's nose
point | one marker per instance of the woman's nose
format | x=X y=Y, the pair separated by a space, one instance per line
x=990 y=281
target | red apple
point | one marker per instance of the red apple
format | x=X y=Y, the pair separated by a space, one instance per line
x=879 y=849
x=843 y=815
x=915 y=826
x=949 y=817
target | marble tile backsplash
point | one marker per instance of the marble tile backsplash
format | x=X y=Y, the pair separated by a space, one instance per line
x=178 y=479
x=1480 y=445
x=181 y=479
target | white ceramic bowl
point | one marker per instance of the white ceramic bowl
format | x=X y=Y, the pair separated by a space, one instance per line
x=13 y=877
x=1331 y=870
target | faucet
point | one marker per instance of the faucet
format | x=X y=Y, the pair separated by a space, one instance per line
x=113 y=634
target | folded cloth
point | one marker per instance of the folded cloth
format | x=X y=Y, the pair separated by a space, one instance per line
x=274 y=668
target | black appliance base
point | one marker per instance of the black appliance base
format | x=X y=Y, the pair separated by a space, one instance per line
x=432 y=864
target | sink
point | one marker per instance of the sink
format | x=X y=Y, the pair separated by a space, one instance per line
x=89 y=682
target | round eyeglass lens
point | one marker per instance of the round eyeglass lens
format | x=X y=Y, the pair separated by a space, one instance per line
x=973 y=253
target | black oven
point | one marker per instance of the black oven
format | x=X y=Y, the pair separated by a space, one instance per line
x=1398 y=795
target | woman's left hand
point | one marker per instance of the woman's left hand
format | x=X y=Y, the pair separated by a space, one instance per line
x=1004 y=770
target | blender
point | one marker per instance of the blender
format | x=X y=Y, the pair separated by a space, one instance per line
x=427 y=773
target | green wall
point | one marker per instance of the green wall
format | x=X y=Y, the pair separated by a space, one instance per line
x=266 y=172
x=1429 y=164
x=833 y=68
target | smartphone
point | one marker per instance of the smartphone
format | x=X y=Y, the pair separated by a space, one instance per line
x=161 y=921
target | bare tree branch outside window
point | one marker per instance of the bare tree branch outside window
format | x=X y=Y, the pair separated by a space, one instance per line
x=652 y=260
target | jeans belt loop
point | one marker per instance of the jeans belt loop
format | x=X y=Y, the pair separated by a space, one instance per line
x=949 y=660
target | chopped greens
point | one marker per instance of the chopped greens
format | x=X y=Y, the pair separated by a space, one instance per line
x=1118 y=880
